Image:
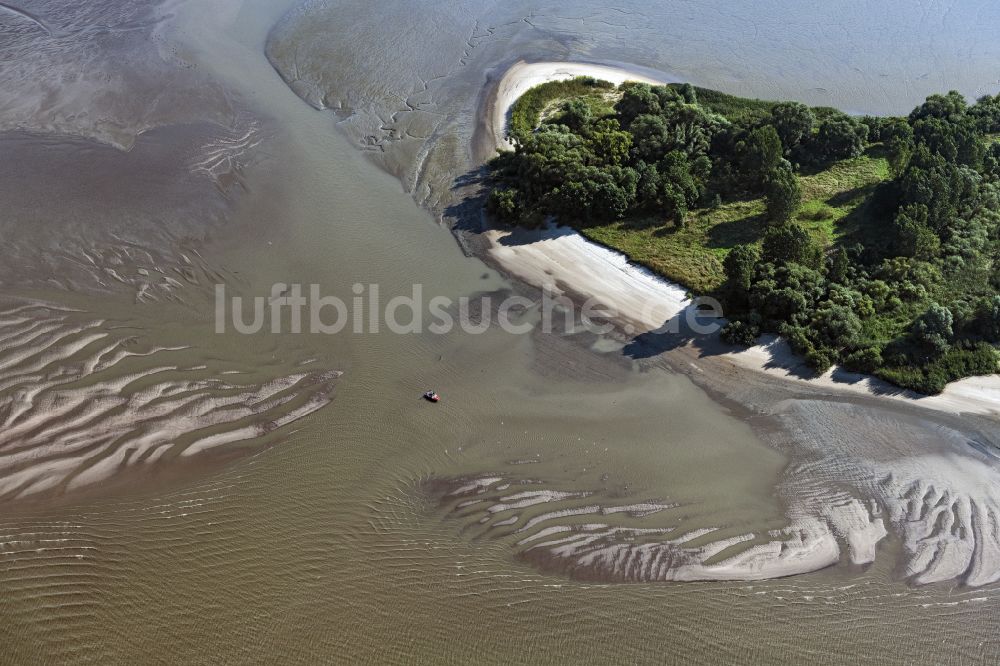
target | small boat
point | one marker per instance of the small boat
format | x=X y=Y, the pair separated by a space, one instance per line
x=432 y=396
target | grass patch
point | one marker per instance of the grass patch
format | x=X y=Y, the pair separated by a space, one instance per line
x=833 y=200
x=527 y=110
x=602 y=105
x=692 y=254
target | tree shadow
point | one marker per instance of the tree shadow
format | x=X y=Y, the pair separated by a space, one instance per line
x=814 y=168
x=876 y=151
x=528 y=236
x=644 y=221
x=469 y=208
x=771 y=353
x=869 y=223
x=685 y=328
x=669 y=227
x=774 y=352
x=737 y=232
x=848 y=197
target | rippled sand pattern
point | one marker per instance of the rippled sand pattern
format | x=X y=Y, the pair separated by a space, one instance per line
x=82 y=399
x=383 y=529
x=929 y=486
x=935 y=482
x=592 y=536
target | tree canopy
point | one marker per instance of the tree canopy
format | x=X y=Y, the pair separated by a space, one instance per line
x=908 y=288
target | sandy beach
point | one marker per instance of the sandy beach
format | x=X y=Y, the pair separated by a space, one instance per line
x=644 y=301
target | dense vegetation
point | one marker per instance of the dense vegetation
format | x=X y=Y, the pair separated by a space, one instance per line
x=869 y=242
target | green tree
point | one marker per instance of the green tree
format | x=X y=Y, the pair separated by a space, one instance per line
x=651 y=137
x=988 y=318
x=691 y=128
x=897 y=134
x=839 y=138
x=637 y=99
x=840 y=266
x=576 y=115
x=939 y=137
x=762 y=154
x=913 y=237
x=933 y=329
x=504 y=205
x=684 y=176
x=789 y=243
x=609 y=143
x=649 y=188
x=991 y=161
x=793 y=122
x=688 y=93
x=943 y=187
x=739 y=266
x=782 y=194
x=674 y=203
x=946 y=107
x=986 y=113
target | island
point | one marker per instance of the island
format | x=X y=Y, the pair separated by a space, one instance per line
x=868 y=242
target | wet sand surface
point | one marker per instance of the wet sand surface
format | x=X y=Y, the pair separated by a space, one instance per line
x=340 y=518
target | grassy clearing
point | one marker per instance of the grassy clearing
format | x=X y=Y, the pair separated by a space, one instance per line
x=692 y=254
x=527 y=110
x=602 y=105
x=832 y=199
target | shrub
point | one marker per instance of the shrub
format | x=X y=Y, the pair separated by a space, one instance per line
x=817 y=212
x=933 y=329
x=838 y=325
x=866 y=360
x=820 y=360
x=988 y=318
x=526 y=110
x=740 y=333
x=799 y=339
x=504 y=204
x=978 y=359
x=789 y=243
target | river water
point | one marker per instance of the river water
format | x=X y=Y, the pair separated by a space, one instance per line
x=152 y=529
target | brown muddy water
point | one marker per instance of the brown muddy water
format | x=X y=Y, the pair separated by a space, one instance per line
x=175 y=495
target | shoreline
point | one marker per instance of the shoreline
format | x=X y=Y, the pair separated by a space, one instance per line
x=562 y=256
